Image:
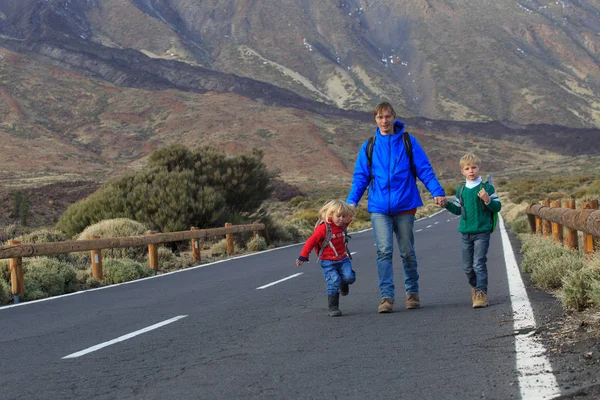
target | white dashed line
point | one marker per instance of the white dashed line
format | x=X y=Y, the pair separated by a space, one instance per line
x=279 y=281
x=123 y=338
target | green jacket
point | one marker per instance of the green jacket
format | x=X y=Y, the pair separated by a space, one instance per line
x=477 y=216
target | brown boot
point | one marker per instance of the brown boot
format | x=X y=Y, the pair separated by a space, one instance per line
x=385 y=306
x=412 y=301
x=481 y=300
x=473 y=292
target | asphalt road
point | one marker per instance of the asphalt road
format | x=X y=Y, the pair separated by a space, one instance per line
x=239 y=329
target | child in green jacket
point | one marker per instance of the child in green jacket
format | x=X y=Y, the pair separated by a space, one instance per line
x=476 y=202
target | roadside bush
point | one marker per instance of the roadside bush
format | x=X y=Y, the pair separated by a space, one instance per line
x=123 y=270
x=5 y=293
x=549 y=274
x=220 y=248
x=45 y=277
x=46 y=236
x=581 y=287
x=118 y=227
x=167 y=260
x=4 y=270
x=301 y=227
x=519 y=225
x=177 y=190
x=537 y=250
x=257 y=244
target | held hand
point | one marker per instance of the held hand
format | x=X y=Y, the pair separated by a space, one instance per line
x=484 y=196
x=440 y=201
x=299 y=263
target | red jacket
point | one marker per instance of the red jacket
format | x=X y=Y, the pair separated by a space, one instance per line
x=315 y=240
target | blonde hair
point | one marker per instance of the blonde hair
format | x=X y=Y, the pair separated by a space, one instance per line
x=469 y=159
x=381 y=107
x=336 y=207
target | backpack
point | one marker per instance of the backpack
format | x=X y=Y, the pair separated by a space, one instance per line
x=493 y=216
x=409 y=152
x=327 y=241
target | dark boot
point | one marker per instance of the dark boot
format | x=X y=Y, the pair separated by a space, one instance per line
x=334 y=305
x=344 y=289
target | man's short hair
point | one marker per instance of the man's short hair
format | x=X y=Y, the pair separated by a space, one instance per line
x=469 y=159
x=385 y=106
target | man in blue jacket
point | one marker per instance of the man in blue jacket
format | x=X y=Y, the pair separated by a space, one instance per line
x=393 y=200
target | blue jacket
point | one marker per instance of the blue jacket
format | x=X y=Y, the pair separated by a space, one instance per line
x=393 y=188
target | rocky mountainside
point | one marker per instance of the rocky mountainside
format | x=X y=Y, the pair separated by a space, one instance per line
x=524 y=61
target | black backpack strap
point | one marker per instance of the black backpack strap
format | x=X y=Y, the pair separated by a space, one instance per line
x=369 y=150
x=409 y=152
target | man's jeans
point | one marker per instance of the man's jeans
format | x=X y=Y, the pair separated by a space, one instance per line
x=335 y=272
x=384 y=228
x=474 y=258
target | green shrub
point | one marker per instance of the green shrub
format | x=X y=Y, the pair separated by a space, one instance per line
x=177 y=190
x=4 y=270
x=301 y=227
x=519 y=225
x=551 y=271
x=257 y=243
x=537 y=250
x=5 y=293
x=580 y=289
x=45 y=277
x=220 y=248
x=112 y=228
x=166 y=259
x=123 y=270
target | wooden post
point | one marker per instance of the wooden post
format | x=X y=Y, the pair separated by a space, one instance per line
x=196 y=247
x=96 y=256
x=571 y=241
x=16 y=274
x=588 y=240
x=532 y=222
x=546 y=225
x=557 y=229
x=229 y=239
x=152 y=254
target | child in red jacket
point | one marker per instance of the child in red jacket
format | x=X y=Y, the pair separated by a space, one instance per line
x=329 y=241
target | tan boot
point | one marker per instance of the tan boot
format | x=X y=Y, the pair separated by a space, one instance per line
x=412 y=301
x=481 y=300
x=385 y=306
x=473 y=291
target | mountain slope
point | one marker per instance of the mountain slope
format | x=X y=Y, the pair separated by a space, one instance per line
x=527 y=61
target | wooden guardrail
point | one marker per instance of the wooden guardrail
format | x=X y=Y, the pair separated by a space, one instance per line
x=15 y=250
x=563 y=222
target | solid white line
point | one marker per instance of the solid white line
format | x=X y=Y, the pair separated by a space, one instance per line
x=124 y=337
x=536 y=380
x=279 y=281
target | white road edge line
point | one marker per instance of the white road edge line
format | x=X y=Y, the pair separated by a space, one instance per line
x=536 y=380
x=279 y=281
x=124 y=337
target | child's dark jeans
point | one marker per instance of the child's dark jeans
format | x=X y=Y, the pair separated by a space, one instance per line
x=474 y=259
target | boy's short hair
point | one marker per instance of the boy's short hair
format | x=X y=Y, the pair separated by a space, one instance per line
x=384 y=106
x=469 y=159
x=336 y=206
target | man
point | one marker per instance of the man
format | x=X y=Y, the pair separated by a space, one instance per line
x=393 y=200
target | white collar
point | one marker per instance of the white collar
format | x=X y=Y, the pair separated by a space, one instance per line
x=475 y=182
